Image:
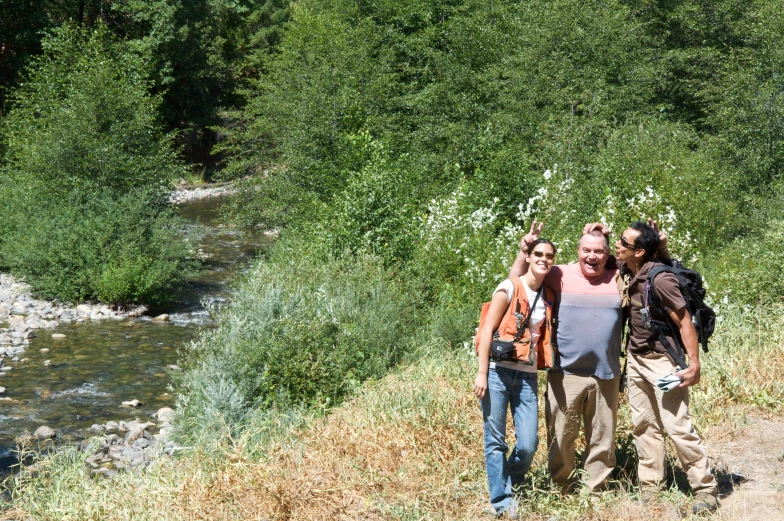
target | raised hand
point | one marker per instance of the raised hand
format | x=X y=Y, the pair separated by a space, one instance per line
x=589 y=227
x=662 y=236
x=531 y=236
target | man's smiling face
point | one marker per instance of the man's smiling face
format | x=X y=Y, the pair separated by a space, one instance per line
x=593 y=252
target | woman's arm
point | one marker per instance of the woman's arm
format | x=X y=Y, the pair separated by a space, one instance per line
x=497 y=309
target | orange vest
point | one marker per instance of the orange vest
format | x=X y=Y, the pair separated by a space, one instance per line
x=507 y=329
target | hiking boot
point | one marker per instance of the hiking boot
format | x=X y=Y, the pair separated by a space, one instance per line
x=704 y=503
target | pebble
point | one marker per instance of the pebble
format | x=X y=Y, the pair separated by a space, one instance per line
x=45 y=350
x=58 y=336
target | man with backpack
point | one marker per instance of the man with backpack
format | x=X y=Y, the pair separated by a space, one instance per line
x=658 y=387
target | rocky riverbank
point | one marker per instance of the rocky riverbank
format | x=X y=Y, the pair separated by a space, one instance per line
x=122 y=445
x=25 y=314
x=190 y=193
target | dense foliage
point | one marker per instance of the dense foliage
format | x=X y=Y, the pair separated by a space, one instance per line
x=202 y=54
x=86 y=176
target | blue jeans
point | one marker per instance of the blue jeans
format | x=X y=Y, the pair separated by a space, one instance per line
x=516 y=389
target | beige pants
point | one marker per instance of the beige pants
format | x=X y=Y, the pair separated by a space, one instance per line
x=654 y=412
x=572 y=400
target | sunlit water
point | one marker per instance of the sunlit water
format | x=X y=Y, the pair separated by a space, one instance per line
x=100 y=364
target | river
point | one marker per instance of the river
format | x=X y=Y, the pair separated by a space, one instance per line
x=100 y=364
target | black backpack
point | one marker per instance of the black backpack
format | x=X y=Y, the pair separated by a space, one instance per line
x=702 y=316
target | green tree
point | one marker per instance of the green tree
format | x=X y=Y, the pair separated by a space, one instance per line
x=86 y=176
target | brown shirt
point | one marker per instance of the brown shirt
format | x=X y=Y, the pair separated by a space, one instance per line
x=642 y=341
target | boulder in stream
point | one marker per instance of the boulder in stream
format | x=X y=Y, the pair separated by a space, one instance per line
x=165 y=414
x=44 y=433
x=132 y=403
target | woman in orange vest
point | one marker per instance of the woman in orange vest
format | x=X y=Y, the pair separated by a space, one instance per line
x=512 y=342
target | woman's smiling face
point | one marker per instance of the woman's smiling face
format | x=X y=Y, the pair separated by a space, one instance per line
x=541 y=258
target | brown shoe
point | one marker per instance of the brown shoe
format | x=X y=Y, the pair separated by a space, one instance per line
x=704 y=503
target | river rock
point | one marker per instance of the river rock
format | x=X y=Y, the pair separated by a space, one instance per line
x=33 y=322
x=45 y=350
x=2 y=390
x=17 y=323
x=44 y=433
x=112 y=426
x=83 y=310
x=164 y=414
x=47 y=362
x=29 y=334
x=96 y=427
x=161 y=318
x=137 y=311
x=141 y=443
x=132 y=403
x=58 y=336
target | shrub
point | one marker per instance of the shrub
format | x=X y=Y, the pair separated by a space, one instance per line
x=86 y=174
x=117 y=249
x=300 y=330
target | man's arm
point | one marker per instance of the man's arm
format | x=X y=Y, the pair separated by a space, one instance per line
x=662 y=252
x=682 y=320
x=520 y=265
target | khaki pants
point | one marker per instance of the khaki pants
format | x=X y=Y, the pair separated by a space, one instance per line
x=654 y=412
x=572 y=400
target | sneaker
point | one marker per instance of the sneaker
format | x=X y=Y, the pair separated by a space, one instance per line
x=704 y=503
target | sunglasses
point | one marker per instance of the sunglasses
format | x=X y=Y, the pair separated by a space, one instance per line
x=540 y=254
x=626 y=245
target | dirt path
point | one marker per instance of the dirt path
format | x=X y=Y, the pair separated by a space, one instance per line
x=750 y=462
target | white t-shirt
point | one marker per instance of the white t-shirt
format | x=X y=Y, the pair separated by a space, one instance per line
x=537 y=320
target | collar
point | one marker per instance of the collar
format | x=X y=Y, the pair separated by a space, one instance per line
x=644 y=270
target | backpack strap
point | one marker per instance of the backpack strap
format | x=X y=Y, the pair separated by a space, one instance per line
x=660 y=327
x=521 y=327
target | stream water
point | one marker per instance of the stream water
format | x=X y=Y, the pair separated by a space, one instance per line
x=100 y=364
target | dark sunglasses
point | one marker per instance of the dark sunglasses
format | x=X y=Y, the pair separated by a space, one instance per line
x=540 y=254
x=626 y=244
